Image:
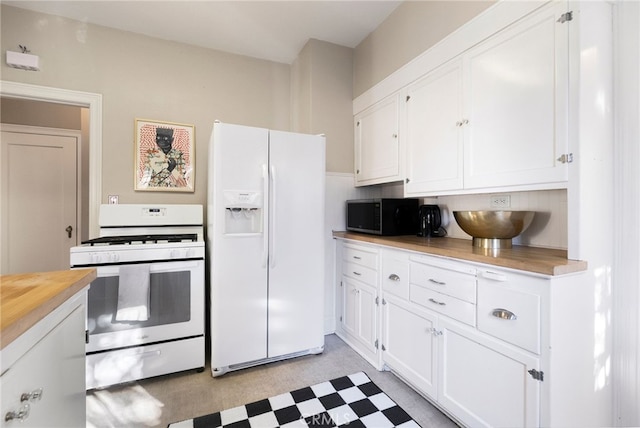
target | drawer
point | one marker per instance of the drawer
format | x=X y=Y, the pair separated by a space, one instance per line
x=509 y=314
x=359 y=272
x=450 y=306
x=450 y=282
x=395 y=274
x=360 y=255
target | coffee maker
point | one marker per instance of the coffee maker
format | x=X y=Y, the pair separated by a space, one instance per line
x=430 y=221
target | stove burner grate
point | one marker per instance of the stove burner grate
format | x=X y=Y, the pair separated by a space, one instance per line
x=144 y=239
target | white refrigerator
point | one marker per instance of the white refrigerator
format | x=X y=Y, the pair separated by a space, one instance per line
x=265 y=220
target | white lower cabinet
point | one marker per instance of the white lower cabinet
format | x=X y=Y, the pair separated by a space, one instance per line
x=45 y=387
x=409 y=343
x=484 y=382
x=357 y=302
x=360 y=313
x=465 y=336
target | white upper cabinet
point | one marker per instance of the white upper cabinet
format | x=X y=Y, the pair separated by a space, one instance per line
x=493 y=115
x=434 y=132
x=377 y=143
x=516 y=104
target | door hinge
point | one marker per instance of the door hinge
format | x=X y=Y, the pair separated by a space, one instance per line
x=537 y=375
x=340 y=318
x=565 y=17
x=383 y=348
x=408 y=98
x=86 y=337
x=340 y=283
x=566 y=158
x=384 y=302
x=358 y=123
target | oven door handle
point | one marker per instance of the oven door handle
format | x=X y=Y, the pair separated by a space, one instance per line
x=265 y=215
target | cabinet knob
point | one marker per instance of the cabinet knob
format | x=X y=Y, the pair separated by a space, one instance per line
x=504 y=314
x=394 y=277
x=21 y=414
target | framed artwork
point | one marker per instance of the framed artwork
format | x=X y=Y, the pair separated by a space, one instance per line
x=164 y=158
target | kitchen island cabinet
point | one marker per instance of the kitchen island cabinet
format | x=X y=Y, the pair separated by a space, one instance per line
x=43 y=349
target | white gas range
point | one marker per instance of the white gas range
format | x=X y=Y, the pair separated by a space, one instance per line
x=145 y=310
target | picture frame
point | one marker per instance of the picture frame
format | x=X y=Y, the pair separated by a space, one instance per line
x=164 y=156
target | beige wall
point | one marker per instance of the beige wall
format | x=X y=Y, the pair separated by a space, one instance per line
x=142 y=77
x=322 y=104
x=411 y=29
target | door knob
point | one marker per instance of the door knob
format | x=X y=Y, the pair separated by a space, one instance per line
x=69 y=229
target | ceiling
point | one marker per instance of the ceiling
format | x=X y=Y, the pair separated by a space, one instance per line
x=271 y=30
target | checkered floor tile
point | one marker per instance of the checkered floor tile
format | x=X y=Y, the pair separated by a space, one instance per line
x=353 y=401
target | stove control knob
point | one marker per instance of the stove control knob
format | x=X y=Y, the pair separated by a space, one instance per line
x=113 y=257
x=188 y=252
x=96 y=258
x=174 y=254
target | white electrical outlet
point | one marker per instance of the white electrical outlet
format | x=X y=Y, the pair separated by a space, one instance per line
x=500 y=201
x=113 y=199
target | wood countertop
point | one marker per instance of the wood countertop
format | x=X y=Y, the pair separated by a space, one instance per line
x=27 y=298
x=530 y=259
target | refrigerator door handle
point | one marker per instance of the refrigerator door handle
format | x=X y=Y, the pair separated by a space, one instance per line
x=272 y=207
x=265 y=216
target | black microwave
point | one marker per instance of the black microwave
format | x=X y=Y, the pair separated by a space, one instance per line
x=384 y=216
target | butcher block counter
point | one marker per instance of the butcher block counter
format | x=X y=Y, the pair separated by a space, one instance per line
x=530 y=259
x=27 y=298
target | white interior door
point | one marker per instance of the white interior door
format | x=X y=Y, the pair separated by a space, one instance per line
x=39 y=199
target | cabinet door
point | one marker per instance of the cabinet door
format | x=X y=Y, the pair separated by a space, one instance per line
x=484 y=382
x=409 y=343
x=56 y=365
x=433 y=132
x=368 y=317
x=350 y=306
x=377 y=146
x=360 y=317
x=516 y=104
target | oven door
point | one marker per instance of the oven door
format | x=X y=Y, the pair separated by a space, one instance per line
x=176 y=307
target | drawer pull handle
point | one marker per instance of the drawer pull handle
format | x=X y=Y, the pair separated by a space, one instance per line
x=20 y=414
x=34 y=395
x=436 y=302
x=495 y=276
x=357 y=257
x=394 y=277
x=357 y=273
x=504 y=314
x=437 y=282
